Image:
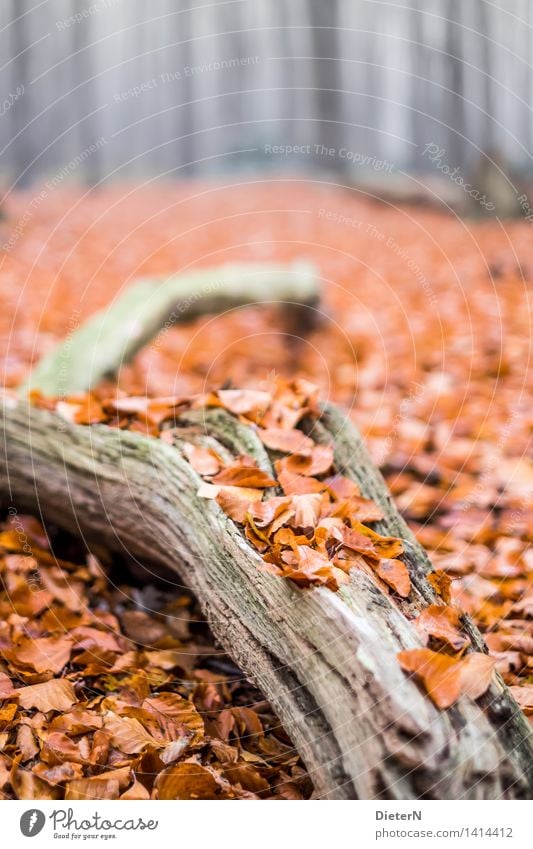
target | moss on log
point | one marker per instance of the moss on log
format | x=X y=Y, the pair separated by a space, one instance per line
x=326 y=661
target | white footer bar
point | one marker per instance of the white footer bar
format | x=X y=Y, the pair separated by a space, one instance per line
x=268 y=825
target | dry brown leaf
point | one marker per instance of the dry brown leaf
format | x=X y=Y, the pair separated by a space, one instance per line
x=181 y=711
x=441 y=583
x=307 y=509
x=137 y=792
x=128 y=735
x=443 y=624
x=242 y=401
x=92 y=788
x=524 y=696
x=234 y=501
x=249 y=477
x=205 y=461
x=396 y=575
x=26 y=743
x=175 y=750
x=293 y=484
x=317 y=461
x=6 y=686
x=43 y=654
x=27 y=785
x=247 y=776
x=57 y=694
x=289 y=441
x=388 y=547
x=439 y=674
x=476 y=674
x=186 y=781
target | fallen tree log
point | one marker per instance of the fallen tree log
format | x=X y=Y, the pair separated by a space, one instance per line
x=114 y=335
x=326 y=661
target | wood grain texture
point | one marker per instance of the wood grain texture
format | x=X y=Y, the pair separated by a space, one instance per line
x=326 y=661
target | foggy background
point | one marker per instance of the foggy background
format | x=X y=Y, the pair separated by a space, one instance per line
x=119 y=89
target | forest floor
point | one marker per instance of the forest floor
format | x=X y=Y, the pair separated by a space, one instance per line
x=423 y=336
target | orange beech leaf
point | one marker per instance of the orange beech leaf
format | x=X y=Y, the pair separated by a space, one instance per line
x=245 y=476
x=317 y=462
x=7 y=712
x=441 y=583
x=307 y=509
x=242 y=401
x=476 y=675
x=87 y=637
x=27 y=785
x=389 y=547
x=501 y=641
x=279 y=416
x=439 y=674
x=137 y=792
x=100 y=748
x=92 y=788
x=524 y=696
x=26 y=743
x=43 y=654
x=6 y=687
x=128 y=735
x=257 y=535
x=266 y=514
x=342 y=488
x=86 y=410
x=176 y=748
x=59 y=748
x=32 y=528
x=182 y=711
x=11 y=541
x=297 y=484
x=443 y=624
x=234 y=500
x=356 y=541
x=205 y=461
x=289 y=441
x=356 y=509
x=59 y=774
x=396 y=575
x=63 y=588
x=247 y=776
x=57 y=694
x=186 y=781
x=78 y=721
x=289 y=790
x=307 y=566
x=122 y=775
x=28 y=602
x=287 y=537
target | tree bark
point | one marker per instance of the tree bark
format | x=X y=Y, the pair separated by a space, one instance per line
x=326 y=661
x=114 y=335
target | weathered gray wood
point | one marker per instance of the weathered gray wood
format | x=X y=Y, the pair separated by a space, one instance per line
x=326 y=661
x=114 y=335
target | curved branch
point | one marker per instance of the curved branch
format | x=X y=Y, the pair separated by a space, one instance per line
x=326 y=661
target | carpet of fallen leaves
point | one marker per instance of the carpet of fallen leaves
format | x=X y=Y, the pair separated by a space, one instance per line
x=112 y=691
x=308 y=520
x=424 y=337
